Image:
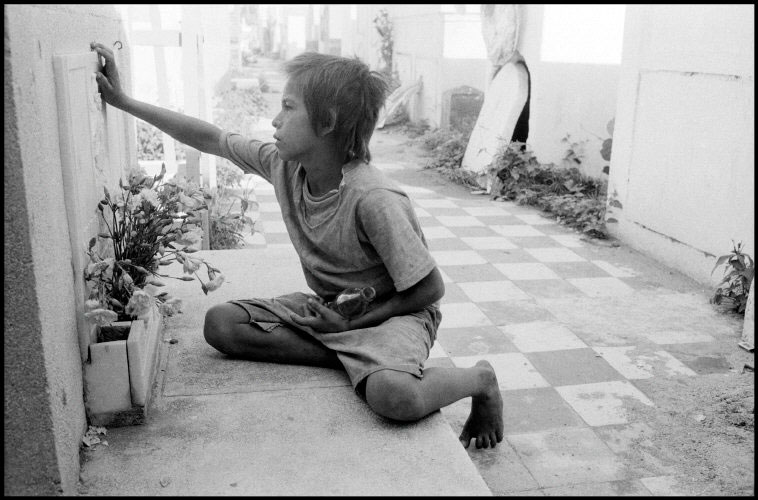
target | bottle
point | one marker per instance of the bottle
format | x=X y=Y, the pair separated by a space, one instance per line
x=353 y=302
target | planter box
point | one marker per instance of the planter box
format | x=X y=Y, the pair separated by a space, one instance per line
x=118 y=376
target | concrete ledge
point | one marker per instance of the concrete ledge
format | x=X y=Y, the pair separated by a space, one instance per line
x=313 y=441
x=119 y=375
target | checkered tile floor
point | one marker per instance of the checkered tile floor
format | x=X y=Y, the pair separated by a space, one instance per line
x=569 y=327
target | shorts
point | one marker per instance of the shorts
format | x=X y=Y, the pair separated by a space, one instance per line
x=401 y=343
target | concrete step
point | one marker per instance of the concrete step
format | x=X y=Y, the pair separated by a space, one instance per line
x=220 y=426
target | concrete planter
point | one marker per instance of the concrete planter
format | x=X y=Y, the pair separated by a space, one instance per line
x=119 y=374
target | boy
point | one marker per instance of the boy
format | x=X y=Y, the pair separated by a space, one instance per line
x=351 y=227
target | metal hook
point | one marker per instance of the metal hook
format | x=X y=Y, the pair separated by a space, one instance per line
x=120 y=45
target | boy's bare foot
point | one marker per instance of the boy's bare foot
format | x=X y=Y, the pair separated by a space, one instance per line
x=485 y=422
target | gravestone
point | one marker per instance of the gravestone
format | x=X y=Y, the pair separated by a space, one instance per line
x=461 y=107
x=503 y=104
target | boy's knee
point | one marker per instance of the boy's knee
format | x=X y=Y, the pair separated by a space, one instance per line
x=216 y=329
x=396 y=395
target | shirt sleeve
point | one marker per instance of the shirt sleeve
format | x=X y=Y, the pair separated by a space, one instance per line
x=251 y=155
x=390 y=225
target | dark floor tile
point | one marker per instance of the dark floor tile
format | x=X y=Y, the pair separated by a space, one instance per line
x=474 y=341
x=473 y=272
x=517 y=311
x=473 y=231
x=534 y=241
x=549 y=289
x=503 y=256
x=573 y=366
x=568 y=270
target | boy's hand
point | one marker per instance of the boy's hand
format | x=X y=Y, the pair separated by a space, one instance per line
x=321 y=318
x=108 y=81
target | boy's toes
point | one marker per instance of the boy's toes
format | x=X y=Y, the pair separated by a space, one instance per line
x=464 y=438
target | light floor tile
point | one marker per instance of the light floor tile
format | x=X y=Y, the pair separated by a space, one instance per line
x=420 y=212
x=526 y=271
x=554 y=255
x=603 y=403
x=437 y=232
x=667 y=486
x=445 y=277
x=563 y=457
x=269 y=206
x=534 y=219
x=568 y=240
x=462 y=315
x=435 y=203
x=459 y=220
x=256 y=239
x=625 y=488
x=517 y=230
x=677 y=337
x=489 y=243
x=274 y=226
x=457 y=257
x=415 y=189
x=537 y=336
x=437 y=351
x=635 y=364
x=489 y=291
x=513 y=370
x=613 y=270
x=601 y=287
x=485 y=211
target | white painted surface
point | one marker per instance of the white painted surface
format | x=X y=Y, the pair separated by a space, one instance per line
x=683 y=152
x=503 y=103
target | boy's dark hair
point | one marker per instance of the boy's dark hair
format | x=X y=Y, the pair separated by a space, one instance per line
x=347 y=86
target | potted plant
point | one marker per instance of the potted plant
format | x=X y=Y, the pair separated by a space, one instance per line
x=149 y=224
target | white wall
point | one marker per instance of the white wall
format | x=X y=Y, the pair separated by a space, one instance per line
x=567 y=98
x=420 y=32
x=683 y=152
x=44 y=408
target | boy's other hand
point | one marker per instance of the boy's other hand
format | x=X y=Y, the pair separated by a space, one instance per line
x=108 y=80
x=321 y=318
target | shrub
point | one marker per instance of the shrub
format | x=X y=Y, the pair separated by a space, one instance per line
x=576 y=200
x=150 y=143
x=739 y=271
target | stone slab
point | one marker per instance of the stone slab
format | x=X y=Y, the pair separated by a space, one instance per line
x=503 y=102
x=323 y=441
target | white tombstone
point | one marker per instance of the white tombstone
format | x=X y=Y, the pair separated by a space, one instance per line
x=503 y=104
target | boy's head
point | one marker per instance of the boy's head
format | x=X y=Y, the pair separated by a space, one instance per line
x=342 y=92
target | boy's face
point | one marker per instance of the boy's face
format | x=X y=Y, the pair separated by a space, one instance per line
x=294 y=135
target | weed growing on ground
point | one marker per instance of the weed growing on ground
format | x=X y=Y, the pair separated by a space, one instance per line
x=733 y=290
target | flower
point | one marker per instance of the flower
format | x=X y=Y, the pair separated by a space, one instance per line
x=170 y=307
x=191 y=265
x=143 y=228
x=139 y=304
x=214 y=284
x=101 y=316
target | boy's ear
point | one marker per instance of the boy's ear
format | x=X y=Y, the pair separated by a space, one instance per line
x=331 y=123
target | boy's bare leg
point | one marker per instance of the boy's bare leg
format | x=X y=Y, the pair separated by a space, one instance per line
x=228 y=330
x=402 y=396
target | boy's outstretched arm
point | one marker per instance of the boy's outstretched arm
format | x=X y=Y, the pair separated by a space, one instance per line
x=191 y=131
x=426 y=292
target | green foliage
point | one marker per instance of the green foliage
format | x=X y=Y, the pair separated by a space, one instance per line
x=576 y=200
x=227 y=213
x=385 y=29
x=150 y=143
x=238 y=110
x=446 y=148
x=150 y=223
x=739 y=271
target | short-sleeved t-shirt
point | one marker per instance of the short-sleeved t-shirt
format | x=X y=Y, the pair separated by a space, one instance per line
x=365 y=233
